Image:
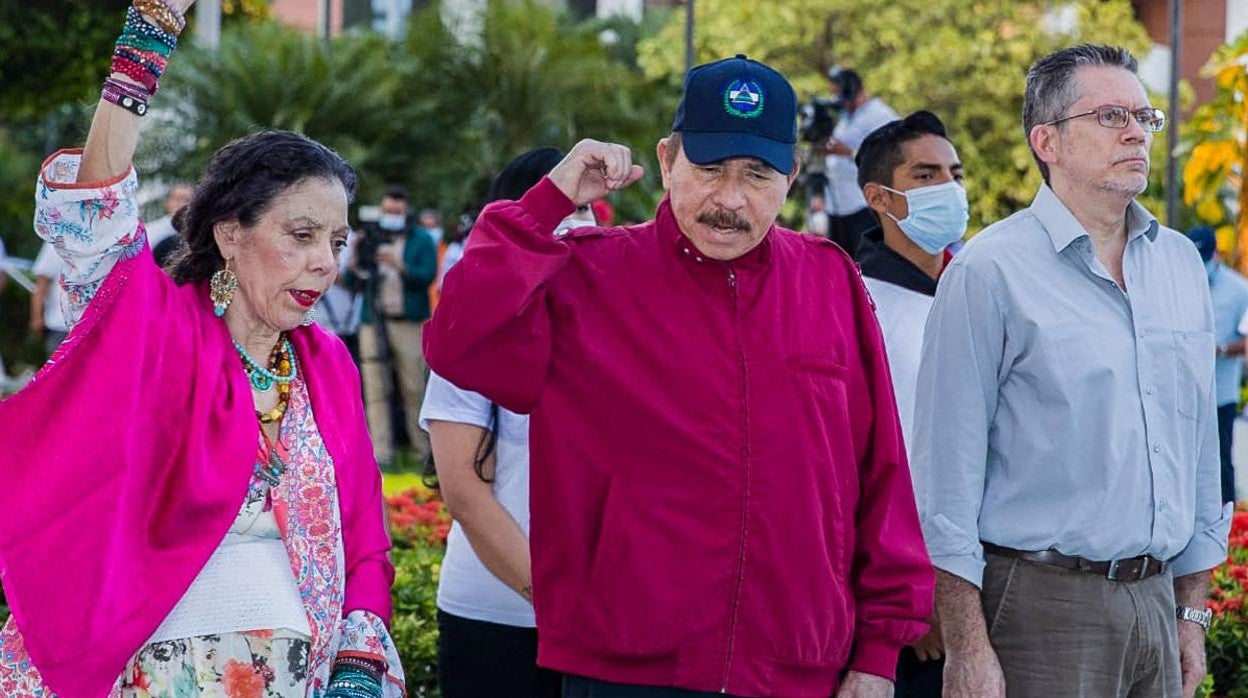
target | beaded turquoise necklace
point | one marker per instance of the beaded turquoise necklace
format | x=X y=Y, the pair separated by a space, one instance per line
x=282 y=370
x=261 y=377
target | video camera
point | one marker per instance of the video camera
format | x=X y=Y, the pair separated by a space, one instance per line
x=818 y=118
x=372 y=237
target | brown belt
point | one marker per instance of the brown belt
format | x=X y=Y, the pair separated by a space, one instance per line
x=1129 y=569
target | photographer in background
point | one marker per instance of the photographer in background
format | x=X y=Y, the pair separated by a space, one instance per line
x=394 y=262
x=860 y=114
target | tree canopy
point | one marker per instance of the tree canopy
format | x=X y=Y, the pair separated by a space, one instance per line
x=964 y=60
x=1216 y=174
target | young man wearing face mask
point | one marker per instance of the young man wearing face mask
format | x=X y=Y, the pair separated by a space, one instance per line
x=911 y=179
x=407 y=263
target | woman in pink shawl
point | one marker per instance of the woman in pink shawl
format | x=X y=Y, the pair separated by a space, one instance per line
x=190 y=501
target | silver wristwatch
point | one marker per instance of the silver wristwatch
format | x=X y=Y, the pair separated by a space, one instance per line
x=1201 y=618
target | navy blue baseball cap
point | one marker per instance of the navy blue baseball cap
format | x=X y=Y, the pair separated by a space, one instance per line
x=735 y=108
x=1204 y=239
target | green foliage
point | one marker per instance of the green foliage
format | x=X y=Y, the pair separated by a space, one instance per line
x=419 y=524
x=524 y=84
x=414 y=625
x=436 y=113
x=966 y=61
x=1214 y=177
x=54 y=51
x=18 y=167
x=263 y=76
x=1226 y=645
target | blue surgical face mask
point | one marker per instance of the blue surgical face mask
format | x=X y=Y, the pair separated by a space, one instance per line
x=937 y=215
x=392 y=222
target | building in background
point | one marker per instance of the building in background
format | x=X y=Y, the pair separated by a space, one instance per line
x=1206 y=25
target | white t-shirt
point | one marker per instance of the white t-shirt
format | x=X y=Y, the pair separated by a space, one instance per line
x=50 y=265
x=903 y=315
x=466 y=588
x=159 y=230
x=844 y=195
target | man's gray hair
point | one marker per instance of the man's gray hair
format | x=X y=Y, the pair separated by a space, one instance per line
x=1051 y=86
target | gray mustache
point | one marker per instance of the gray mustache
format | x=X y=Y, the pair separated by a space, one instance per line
x=724 y=219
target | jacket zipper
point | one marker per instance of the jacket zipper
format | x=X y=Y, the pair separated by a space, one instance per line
x=745 y=457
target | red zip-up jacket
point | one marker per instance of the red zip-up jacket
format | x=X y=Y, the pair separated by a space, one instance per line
x=719 y=493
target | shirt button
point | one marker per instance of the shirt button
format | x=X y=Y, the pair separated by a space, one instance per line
x=1156 y=448
x=685 y=250
x=1150 y=390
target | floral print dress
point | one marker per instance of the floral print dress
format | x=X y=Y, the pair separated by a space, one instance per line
x=92 y=230
x=272 y=663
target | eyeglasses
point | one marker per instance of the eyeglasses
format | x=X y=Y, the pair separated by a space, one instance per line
x=1113 y=116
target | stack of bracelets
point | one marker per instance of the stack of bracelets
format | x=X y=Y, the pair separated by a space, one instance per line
x=142 y=52
x=355 y=677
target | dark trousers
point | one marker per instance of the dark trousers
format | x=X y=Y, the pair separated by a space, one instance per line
x=1226 y=431
x=581 y=687
x=916 y=679
x=846 y=231
x=477 y=659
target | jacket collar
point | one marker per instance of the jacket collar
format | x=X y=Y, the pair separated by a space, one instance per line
x=879 y=261
x=670 y=232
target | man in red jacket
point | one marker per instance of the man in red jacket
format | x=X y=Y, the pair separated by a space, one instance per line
x=719 y=492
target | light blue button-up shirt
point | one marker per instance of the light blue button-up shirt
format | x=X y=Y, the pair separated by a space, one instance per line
x=1056 y=410
x=1230 y=302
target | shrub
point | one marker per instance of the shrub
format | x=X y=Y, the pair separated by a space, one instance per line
x=1226 y=646
x=419 y=524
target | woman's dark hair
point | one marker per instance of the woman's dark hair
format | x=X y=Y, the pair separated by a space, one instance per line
x=511 y=182
x=524 y=171
x=241 y=182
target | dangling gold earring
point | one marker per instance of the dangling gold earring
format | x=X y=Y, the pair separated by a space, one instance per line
x=221 y=290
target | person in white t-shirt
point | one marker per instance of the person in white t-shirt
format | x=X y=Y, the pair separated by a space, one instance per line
x=848 y=214
x=487 y=644
x=46 y=319
x=912 y=179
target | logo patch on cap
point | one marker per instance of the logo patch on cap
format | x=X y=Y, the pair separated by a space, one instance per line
x=744 y=98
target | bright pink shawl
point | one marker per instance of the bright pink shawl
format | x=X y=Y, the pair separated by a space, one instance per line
x=125 y=461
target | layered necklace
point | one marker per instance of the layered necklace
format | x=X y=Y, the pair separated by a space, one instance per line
x=281 y=370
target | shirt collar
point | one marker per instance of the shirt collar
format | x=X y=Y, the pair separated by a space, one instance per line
x=1063 y=228
x=879 y=261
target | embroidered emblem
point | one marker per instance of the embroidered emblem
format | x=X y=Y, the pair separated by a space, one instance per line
x=744 y=98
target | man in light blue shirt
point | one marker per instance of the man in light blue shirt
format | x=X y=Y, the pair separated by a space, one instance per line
x=1230 y=310
x=1065 y=454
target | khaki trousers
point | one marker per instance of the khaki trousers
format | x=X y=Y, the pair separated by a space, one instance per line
x=1079 y=635
x=408 y=358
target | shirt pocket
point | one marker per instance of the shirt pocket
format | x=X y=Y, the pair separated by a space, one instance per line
x=1193 y=370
